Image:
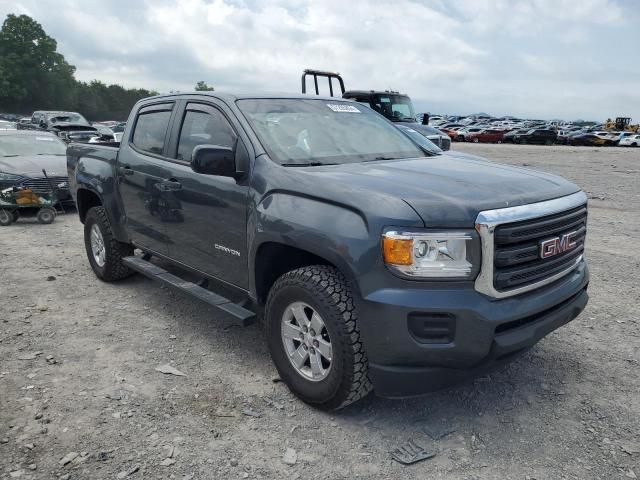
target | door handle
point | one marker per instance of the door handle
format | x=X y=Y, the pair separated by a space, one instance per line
x=171 y=185
x=125 y=170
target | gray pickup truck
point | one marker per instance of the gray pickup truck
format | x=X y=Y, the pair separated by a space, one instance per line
x=374 y=264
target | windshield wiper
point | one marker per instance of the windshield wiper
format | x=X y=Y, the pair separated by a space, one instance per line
x=310 y=164
x=12 y=155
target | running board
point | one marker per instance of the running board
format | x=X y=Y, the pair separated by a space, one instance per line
x=243 y=316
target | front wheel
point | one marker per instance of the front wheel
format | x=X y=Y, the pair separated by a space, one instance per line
x=313 y=336
x=105 y=253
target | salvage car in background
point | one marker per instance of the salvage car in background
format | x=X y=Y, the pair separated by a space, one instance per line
x=535 y=135
x=24 y=154
x=486 y=136
x=61 y=123
x=630 y=141
x=439 y=138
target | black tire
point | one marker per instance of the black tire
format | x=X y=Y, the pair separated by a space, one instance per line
x=16 y=215
x=475 y=140
x=325 y=289
x=113 y=268
x=6 y=218
x=46 y=215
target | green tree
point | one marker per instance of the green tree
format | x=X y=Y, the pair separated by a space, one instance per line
x=34 y=74
x=202 y=86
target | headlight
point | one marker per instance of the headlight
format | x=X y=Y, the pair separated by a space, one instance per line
x=9 y=177
x=431 y=255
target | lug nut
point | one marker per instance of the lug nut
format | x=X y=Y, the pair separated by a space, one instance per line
x=316 y=343
x=312 y=350
x=305 y=329
x=312 y=332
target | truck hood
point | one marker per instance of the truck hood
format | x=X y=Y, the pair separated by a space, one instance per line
x=449 y=190
x=32 y=165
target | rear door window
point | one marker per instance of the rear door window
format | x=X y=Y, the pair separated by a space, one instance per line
x=151 y=129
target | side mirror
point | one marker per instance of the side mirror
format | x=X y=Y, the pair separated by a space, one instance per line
x=214 y=160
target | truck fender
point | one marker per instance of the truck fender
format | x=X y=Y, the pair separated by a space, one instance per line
x=336 y=233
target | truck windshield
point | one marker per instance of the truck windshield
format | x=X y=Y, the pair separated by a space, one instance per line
x=303 y=132
x=394 y=107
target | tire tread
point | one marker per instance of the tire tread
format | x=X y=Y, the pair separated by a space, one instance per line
x=331 y=289
x=114 y=269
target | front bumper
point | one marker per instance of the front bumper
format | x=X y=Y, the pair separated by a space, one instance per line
x=484 y=333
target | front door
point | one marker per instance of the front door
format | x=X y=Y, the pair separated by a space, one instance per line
x=142 y=173
x=211 y=234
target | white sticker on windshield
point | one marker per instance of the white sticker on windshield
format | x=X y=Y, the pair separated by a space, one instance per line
x=44 y=139
x=343 y=108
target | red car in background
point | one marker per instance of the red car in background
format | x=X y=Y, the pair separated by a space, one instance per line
x=486 y=136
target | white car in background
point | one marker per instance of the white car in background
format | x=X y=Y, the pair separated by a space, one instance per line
x=630 y=141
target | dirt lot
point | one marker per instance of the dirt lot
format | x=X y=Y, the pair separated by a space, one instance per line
x=77 y=360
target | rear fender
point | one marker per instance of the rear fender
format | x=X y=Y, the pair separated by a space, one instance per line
x=93 y=169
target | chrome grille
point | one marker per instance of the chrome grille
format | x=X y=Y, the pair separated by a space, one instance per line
x=511 y=241
x=42 y=185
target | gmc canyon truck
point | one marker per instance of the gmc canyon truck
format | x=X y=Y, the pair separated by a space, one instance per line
x=373 y=264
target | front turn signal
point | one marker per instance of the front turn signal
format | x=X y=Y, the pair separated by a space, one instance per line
x=397 y=251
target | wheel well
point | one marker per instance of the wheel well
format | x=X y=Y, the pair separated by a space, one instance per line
x=274 y=260
x=85 y=200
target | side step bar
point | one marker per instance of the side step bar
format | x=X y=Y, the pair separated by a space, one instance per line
x=243 y=316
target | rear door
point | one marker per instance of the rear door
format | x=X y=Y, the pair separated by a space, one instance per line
x=211 y=234
x=142 y=174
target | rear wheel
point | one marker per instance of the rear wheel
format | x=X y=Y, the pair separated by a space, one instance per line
x=46 y=215
x=475 y=140
x=105 y=253
x=313 y=336
x=6 y=218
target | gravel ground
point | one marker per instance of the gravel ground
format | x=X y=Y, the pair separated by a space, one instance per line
x=80 y=397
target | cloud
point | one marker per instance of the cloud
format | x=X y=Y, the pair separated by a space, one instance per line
x=524 y=57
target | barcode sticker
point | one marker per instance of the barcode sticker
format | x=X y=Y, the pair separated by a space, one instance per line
x=341 y=108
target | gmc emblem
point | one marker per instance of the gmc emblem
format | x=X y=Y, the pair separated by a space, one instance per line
x=558 y=245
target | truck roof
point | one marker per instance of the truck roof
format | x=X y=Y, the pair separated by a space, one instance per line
x=375 y=92
x=244 y=96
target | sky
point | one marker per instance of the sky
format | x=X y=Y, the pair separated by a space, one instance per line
x=544 y=59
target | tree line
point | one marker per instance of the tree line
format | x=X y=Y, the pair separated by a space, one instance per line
x=35 y=76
